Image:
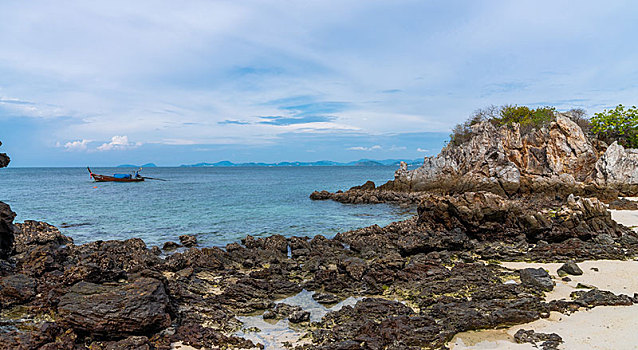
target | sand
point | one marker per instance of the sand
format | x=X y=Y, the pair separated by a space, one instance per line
x=603 y=327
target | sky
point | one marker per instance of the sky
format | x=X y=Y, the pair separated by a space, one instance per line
x=104 y=83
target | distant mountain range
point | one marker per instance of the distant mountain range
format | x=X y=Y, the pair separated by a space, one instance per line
x=360 y=162
x=147 y=165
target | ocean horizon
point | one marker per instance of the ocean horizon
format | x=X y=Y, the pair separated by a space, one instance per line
x=219 y=205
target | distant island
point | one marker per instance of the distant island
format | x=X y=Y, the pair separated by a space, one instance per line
x=147 y=165
x=360 y=162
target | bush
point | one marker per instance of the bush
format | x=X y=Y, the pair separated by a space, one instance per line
x=528 y=119
x=618 y=124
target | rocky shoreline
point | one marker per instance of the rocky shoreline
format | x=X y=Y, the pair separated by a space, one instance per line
x=419 y=282
x=413 y=284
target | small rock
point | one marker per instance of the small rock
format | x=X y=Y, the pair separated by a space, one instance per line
x=269 y=315
x=566 y=279
x=188 y=240
x=299 y=316
x=550 y=341
x=325 y=298
x=168 y=246
x=585 y=286
x=570 y=268
x=537 y=277
x=155 y=250
x=594 y=269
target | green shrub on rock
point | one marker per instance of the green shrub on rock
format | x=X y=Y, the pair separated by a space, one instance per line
x=528 y=119
x=618 y=124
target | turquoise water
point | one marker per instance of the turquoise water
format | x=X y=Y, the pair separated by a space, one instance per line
x=219 y=205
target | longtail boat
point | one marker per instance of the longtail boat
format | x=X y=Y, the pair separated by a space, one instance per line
x=116 y=177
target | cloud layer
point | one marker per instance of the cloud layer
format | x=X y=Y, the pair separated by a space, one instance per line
x=256 y=73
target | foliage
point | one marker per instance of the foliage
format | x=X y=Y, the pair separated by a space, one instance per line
x=528 y=119
x=618 y=124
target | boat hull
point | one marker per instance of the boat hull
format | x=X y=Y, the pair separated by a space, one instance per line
x=106 y=178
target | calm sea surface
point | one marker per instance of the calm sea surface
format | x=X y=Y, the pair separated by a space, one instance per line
x=219 y=205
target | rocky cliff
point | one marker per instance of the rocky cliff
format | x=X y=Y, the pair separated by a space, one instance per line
x=557 y=159
x=505 y=161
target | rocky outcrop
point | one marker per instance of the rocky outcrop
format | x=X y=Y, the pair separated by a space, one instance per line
x=137 y=307
x=504 y=161
x=6 y=219
x=7 y=230
x=4 y=159
x=618 y=167
x=557 y=159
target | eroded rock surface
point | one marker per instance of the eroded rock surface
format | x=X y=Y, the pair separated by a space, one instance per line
x=558 y=159
x=136 y=307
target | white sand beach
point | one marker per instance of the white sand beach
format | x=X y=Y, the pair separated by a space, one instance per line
x=603 y=327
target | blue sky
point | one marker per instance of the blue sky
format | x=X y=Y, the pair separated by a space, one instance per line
x=112 y=82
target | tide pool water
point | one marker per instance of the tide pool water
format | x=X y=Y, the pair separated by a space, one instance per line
x=218 y=205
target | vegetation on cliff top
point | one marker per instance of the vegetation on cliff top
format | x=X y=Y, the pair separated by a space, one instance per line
x=618 y=124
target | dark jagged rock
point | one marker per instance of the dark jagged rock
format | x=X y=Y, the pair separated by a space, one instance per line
x=570 y=268
x=4 y=159
x=17 y=289
x=358 y=195
x=623 y=204
x=596 y=297
x=295 y=314
x=325 y=298
x=36 y=233
x=107 y=261
x=549 y=341
x=537 y=278
x=202 y=337
x=137 y=307
x=188 y=240
x=130 y=343
x=7 y=230
x=170 y=246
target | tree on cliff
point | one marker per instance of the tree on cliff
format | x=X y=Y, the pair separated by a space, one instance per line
x=618 y=124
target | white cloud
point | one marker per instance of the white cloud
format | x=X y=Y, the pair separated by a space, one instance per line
x=118 y=143
x=422 y=150
x=79 y=145
x=361 y=148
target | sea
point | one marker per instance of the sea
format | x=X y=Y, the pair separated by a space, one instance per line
x=217 y=205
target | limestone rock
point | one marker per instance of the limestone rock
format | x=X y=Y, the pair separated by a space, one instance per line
x=558 y=159
x=617 y=167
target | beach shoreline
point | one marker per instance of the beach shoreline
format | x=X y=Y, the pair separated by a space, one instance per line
x=602 y=327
